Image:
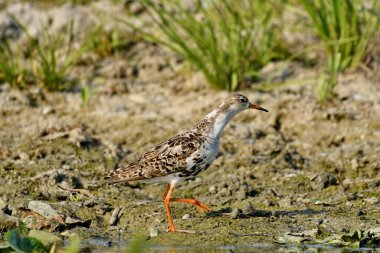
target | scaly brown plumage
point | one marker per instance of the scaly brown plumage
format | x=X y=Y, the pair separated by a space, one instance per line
x=184 y=155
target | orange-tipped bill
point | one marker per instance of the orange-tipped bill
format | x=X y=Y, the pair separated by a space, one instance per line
x=253 y=106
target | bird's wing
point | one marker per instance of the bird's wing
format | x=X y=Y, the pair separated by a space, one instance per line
x=166 y=158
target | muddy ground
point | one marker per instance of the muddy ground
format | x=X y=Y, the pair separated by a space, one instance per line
x=305 y=169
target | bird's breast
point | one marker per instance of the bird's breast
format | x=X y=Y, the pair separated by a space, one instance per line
x=209 y=149
x=201 y=159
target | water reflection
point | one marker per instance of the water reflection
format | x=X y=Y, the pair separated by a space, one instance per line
x=101 y=245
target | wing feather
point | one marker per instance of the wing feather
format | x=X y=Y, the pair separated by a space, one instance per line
x=166 y=158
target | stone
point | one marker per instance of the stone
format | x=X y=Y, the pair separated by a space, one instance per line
x=360 y=212
x=154 y=231
x=212 y=189
x=235 y=213
x=72 y=222
x=247 y=208
x=324 y=180
x=43 y=209
x=23 y=156
x=242 y=194
x=285 y=202
x=268 y=203
x=66 y=167
x=114 y=216
x=46 y=110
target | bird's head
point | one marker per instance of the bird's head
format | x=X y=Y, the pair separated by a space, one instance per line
x=236 y=103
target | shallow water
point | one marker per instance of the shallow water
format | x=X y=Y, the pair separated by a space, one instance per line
x=231 y=248
x=105 y=245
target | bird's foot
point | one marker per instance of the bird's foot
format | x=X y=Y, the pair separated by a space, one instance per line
x=194 y=202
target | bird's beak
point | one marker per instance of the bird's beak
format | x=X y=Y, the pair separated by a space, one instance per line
x=253 y=106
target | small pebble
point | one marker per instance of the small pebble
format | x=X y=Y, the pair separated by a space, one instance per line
x=285 y=202
x=154 y=231
x=235 y=213
x=186 y=216
x=349 y=204
x=268 y=203
x=324 y=180
x=274 y=213
x=224 y=192
x=66 y=167
x=242 y=194
x=24 y=191
x=114 y=216
x=90 y=203
x=354 y=164
x=46 y=110
x=23 y=156
x=212 y=189
x=360 y=212
x=248 y=208
x=351 y=196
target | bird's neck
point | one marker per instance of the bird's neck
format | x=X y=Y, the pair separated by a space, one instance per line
x=213 y=124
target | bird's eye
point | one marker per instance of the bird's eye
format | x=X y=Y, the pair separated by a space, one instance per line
x=242 y=100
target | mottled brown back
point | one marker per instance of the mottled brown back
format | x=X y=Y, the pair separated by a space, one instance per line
x=166 y=158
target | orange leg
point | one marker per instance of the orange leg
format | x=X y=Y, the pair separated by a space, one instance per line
x=167 y=195
x=194 y=202
x=167 y=198
x=166 y=192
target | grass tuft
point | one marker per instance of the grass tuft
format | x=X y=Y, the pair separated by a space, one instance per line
x=227 y=40
x=345 y=28
x=52 y=56
x=53 y=65
x=11 y=66
x=104 y=43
